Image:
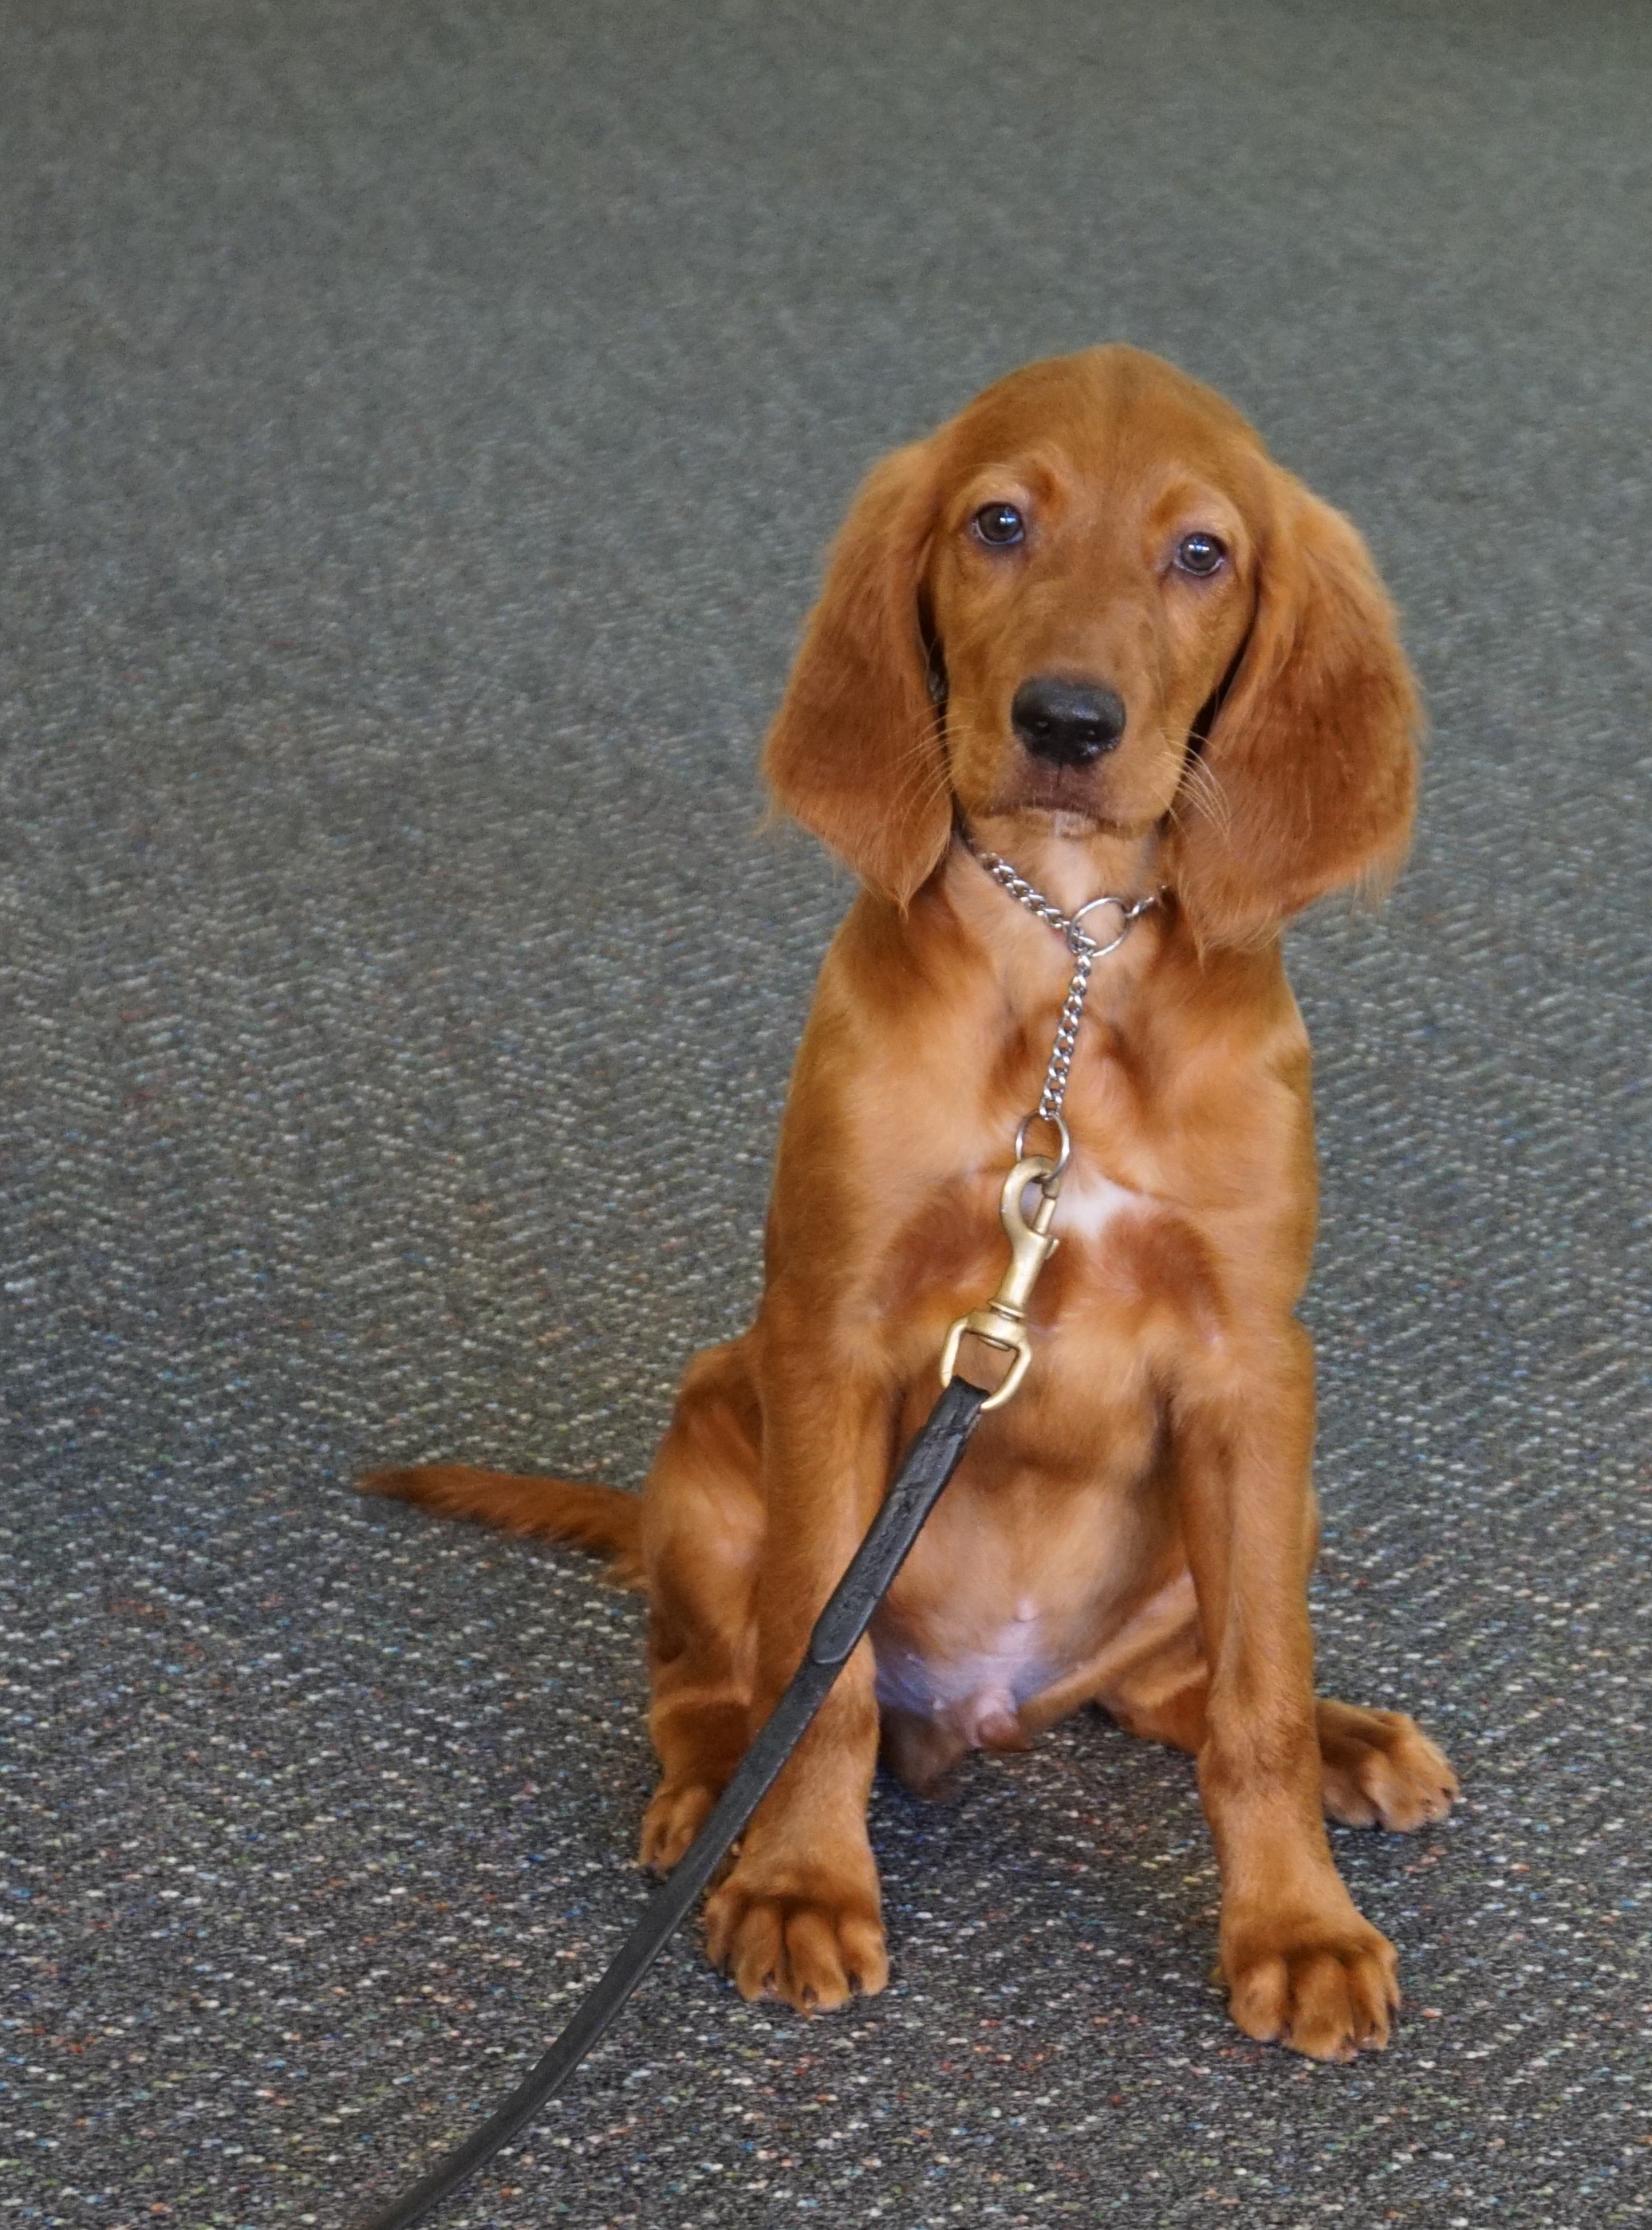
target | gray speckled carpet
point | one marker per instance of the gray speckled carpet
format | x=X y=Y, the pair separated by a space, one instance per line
x=421 y=426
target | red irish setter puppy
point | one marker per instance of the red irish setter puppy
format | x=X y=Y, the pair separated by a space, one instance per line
x=1091 y=622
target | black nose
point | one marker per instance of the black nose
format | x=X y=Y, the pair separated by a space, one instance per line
x=1070 y=723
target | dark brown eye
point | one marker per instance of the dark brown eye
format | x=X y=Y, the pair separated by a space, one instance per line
x=1200 y=555
x=999 y=524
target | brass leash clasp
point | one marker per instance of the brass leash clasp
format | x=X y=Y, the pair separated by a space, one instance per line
x=1001 y=1322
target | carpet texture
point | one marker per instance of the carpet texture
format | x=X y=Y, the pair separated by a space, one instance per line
x=421 y=423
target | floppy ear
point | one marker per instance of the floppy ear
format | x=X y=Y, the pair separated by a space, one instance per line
x=855 y=752
x=1311 y=756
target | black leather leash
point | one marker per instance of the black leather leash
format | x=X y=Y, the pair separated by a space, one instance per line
x=931 y=1461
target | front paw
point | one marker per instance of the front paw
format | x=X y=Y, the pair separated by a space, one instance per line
x=1321 y=1984
x=805 y=1935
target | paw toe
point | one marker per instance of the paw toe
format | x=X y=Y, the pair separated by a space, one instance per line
x=1259 y=1999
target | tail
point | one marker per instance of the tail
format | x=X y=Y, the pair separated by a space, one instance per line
x=599 y=1518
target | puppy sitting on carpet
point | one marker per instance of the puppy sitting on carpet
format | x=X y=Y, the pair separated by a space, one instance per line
x=1089 y=628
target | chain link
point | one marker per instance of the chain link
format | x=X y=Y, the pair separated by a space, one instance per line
x=1019 y=887
x=1061 y=1057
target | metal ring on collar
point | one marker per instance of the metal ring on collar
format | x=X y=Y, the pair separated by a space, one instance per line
x=1059 y=1127
x=1080 y=941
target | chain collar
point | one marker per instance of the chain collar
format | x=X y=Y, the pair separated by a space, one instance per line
x=1079 y=939
x=1087 y=948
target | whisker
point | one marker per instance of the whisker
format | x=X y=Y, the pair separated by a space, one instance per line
x=921 y=774
x=1205 y=795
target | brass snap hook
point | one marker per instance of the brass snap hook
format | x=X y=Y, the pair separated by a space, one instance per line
x=1001 y=1322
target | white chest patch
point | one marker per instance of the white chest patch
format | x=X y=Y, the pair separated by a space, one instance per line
x=1090 y=1202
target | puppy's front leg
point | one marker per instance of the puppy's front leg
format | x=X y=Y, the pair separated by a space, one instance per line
x=798 y=1918
x=1300 y=1964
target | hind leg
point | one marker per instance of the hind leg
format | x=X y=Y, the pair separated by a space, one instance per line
x=702 y=1529
x=1376 y=1768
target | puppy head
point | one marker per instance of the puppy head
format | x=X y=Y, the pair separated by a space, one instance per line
x=1132 y=620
